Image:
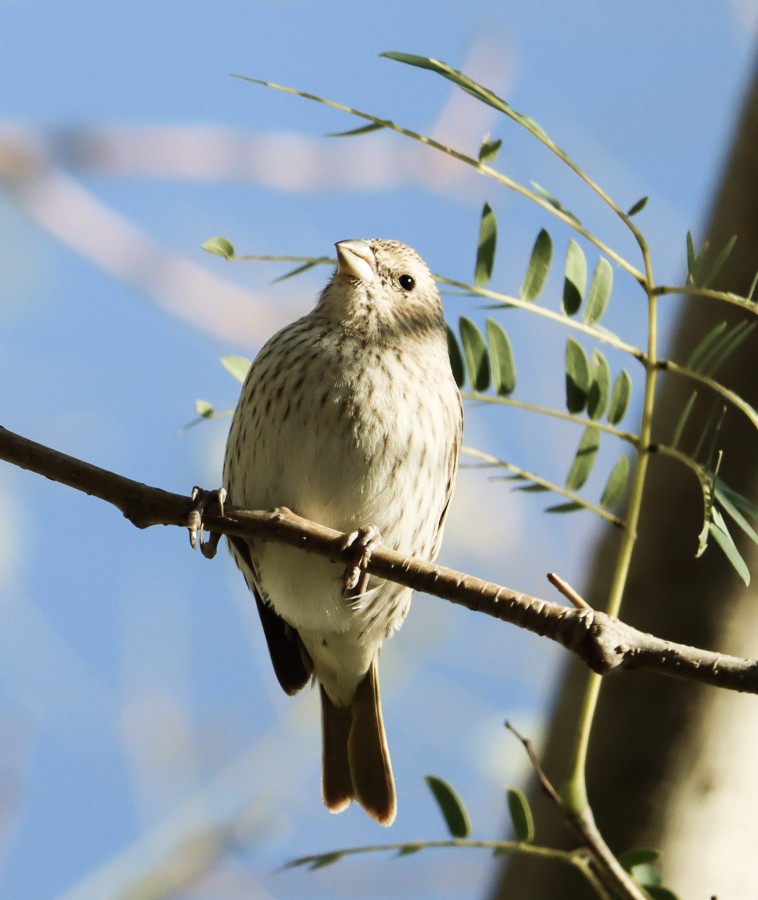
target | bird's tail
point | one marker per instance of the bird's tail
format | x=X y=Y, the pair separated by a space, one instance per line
x=356 y=761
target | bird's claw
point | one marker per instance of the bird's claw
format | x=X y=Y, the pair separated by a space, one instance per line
x=202 y=500
x=362 y=544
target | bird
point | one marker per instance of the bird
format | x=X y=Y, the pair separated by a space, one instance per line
x=349 y=416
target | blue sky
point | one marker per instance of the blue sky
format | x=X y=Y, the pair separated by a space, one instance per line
x=137 y=705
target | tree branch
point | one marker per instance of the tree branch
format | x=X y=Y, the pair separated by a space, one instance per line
x=603 y=642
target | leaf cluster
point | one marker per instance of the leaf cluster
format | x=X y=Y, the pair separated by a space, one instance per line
x=639 y=863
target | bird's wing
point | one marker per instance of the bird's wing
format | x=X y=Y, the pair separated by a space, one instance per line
x=452 y=470
x=289 y=657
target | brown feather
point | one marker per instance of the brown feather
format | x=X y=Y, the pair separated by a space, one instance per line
x=356 y=761
x=369 y=757
x=290 y=660
x=336 y=781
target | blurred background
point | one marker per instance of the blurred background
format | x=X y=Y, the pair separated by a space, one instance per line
x=145 y=746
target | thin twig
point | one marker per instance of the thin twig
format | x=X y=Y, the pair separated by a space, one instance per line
x=568 y=592
x=547 y=785
x=611 y=873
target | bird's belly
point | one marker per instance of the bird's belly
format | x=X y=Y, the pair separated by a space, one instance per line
x=342 y=487
x=362 y=451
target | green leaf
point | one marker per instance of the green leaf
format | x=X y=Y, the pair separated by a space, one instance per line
x=682 y=421
x=660 y=893
x=204 y=412
x=538 y=268
x=501 y=359
x=471 y=87
x=600 y=291
x=485 y=253
x=315 y=862
x=709 y=436
x=742 y=503
x=731 y=342
x=577 y=376
x=703 y=349
x=638 y=207
x=753 y=285
x=451 y=807
x=565 y=507
x=616 y=484
x=532 y=488
x=638 y=857
x=720 y=533
x=236 y=366
x=409 y=849
x=219 y=246
x=293 y=272
x=554 y=202
x=640 y=865
x=717 y=345
x=646 y=876
x=324 y=860
x=463 y=81
x=694 y=260
x=691 y=258
x=718 y=263
x=489 y=150
x=584 y=460
x=724 y=499
x=354 y=132
x=456 y=360
x=475 y=354
x=529 y=123
x=600 y=385
x=204 y=409
x=575 y=278
x=620 y=397
x=521 y=815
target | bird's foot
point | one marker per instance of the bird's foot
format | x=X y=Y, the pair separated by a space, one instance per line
x=203 y=500
x=361 y=543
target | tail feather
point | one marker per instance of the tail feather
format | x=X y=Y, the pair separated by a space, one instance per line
x=356 y=761
x=368 y=754
x=336 y=781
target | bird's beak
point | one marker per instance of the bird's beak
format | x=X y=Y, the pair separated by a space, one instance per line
x=356 y=261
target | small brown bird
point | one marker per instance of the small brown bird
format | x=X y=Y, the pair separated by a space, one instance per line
x=351 y=417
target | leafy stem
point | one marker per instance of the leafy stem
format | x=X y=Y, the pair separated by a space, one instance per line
x=489 y=97
x=598 y=334
x=691 y=290
x=735 y=400
x=543 y=483
x=551 y=412
x=481 y=167
x=578 y=859
x=319 y=860
x=574 y=791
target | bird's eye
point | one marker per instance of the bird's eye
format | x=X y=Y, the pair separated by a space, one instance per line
x=406 y=282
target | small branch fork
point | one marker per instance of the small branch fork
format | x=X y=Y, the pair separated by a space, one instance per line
x=615 y=880
x=603 y=642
